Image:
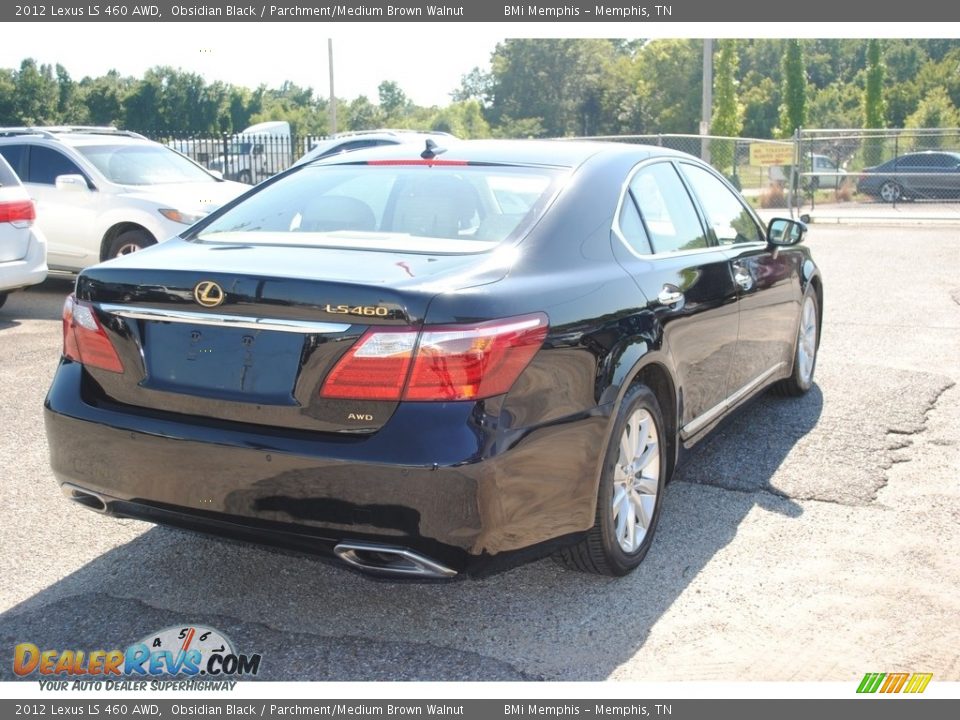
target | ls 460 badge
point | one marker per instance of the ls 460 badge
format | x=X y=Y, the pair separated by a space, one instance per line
x=365 y=310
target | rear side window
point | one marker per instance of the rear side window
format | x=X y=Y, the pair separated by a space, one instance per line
x=631 y=226
x=732 y=223
x=46 y=164
x=668 y=212
x=13 y=154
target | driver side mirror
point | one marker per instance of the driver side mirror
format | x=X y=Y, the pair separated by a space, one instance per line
x=785 y=232
x=74 y=183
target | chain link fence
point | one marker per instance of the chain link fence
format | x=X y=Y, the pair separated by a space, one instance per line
x=878 y=171
x=829 y=172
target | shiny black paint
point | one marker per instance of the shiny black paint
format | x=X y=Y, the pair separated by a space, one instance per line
x=465 y=482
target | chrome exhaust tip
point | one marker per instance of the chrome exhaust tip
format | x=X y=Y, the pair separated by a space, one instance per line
x=386 y=560
x=97 y=503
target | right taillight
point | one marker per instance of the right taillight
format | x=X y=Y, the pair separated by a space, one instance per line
x=19 y=213
x=450 y=362
x=84 y=339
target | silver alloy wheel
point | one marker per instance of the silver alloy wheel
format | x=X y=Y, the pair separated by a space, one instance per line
x=890 y=191
x=636 y=480
x=127 y=248
x=807 y=340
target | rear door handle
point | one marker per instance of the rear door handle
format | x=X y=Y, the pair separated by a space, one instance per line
x=670 y=295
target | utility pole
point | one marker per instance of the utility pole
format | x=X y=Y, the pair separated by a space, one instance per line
x=707 y=105
x=333 y=97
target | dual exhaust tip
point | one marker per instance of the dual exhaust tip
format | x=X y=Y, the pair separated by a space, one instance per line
x=391 y=561
x=371 y=558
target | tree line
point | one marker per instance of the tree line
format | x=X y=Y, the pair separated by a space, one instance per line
x=544 y=88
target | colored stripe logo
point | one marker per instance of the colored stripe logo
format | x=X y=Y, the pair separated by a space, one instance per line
x=894 y=682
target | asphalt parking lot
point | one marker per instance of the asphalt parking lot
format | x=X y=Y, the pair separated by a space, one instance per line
x=811 y=539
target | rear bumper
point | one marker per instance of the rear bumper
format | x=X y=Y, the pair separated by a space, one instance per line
x=446 y=480
x=31 y=269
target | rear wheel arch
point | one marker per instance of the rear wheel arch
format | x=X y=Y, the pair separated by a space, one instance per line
x=653 y=371
x=812 y=279
x=657 y=378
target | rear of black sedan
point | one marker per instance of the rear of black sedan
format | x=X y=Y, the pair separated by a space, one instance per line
x=413 y=363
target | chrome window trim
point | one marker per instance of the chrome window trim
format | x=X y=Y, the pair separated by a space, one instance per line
x=238 y=321
x=705 y=418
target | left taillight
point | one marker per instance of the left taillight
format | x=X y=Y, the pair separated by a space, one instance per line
x=84 y=339
x=19 y=213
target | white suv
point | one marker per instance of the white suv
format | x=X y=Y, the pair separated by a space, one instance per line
x=102 y=192
x=23 y=251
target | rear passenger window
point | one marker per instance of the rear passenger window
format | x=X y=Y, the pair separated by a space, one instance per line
x=47 y=164
x=732 y=223
x=668 y=213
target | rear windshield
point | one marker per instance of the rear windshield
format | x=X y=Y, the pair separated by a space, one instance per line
x=429 y=208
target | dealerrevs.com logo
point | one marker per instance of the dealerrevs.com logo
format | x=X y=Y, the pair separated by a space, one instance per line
x=911 y=683
x=187 y=651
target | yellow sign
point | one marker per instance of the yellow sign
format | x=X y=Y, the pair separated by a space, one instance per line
x=771 y=154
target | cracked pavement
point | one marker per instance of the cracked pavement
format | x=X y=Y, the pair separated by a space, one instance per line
x=809 y=539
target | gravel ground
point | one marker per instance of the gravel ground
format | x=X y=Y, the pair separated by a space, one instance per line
x=810 y=539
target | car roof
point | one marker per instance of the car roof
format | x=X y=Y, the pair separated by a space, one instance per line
x=922 y=153
x=73 y=135
x=555 y=153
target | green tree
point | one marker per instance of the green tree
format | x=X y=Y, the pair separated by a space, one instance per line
x=35 y=102
x=363 y=114
x=475 y=85
x=463 y=119
x=8 y=98
x=793 y=111
x=727 y=116
x=105 y=98
x=874 y=110
x=556 y=83
x=393 y=101
x=936 y=110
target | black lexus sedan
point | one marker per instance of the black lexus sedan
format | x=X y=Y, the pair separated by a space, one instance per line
x=431 y=363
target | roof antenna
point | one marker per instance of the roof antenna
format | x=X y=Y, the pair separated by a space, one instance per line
x=432 y=150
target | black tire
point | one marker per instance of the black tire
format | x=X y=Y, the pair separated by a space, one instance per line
x=601 y=551
x=244 y=177
x=801 y=377
x=890 y=192
x=128 y=242
x=3 y=298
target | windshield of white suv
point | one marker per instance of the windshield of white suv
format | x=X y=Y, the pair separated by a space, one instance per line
x=143 y=165
x=444 y=208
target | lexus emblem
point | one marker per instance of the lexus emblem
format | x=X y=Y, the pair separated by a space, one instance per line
x=208 y=293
